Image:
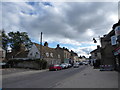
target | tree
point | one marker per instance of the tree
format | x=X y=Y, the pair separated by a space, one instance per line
x=5 y=40
x=80 y=57
x=17 y=39
x=83 y=56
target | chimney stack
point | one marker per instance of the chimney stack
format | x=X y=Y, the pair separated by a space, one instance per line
x=98 y=46
x=46 y=44
x=58 y=45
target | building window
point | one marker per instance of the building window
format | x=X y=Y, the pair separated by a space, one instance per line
x=47 y=54
x=30 y=54
x=36 y=52
x=58 y=55
x=95 y=54
x=65 y=55
x=51 y=54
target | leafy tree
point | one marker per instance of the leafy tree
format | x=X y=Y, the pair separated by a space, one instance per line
x=17 y=39
x=80 y=57
x=5 y=40
x=90 y=57
x=83 y=56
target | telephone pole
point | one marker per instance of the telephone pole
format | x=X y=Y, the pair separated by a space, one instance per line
x=41 y=46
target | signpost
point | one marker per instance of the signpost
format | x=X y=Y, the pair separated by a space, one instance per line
x=113 y=40
x=117 y=51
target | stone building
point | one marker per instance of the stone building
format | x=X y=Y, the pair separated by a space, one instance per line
x=74 y=56
x=64 y=54
x=47 y=53
x=107 y=49
x=96 y=55
x=81 y=59
x=116 y=51
x=109 y=44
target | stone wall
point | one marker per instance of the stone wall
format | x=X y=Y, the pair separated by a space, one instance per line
x=25 y=64
x=107 y=56
x=32 y=64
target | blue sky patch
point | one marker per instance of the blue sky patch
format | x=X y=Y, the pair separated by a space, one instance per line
x=86 y=45
x=31 y=3
x=30 y=12
x=47 y=3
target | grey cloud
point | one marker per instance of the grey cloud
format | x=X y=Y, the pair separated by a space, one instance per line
x=71 y=22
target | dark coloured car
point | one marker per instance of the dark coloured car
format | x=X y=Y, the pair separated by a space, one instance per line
x=55 y=67
x=80 y=63
x=4 y=65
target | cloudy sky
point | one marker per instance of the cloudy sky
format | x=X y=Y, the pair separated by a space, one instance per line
x=70 y=24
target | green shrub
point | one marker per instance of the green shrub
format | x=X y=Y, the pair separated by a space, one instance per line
x=41 y=63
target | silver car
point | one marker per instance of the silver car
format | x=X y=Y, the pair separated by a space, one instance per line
x=76 y=65
x=63 y=66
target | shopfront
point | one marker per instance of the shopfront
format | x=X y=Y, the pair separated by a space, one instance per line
x=117 y=58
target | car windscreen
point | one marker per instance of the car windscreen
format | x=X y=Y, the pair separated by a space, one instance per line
x=56 y=65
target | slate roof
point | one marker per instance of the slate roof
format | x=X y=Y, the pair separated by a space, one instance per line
x=21 y=54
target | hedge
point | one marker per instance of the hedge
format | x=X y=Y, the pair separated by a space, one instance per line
x=42 y=63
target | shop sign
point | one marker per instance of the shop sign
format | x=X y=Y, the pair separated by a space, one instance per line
x=117 y=51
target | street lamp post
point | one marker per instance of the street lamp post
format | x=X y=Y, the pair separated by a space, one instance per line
x=97 y=38
x=98 y=47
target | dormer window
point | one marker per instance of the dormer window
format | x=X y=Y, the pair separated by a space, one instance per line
x=58 y=55
x=51 y=54
x=30 y=54
x=36 y=52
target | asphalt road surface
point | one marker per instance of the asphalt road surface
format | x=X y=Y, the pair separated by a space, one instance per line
x=46 y=79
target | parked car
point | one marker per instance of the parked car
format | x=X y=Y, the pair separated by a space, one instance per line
x=70 y=65
x=67 y=65
x=76 y=65
x=80 y=63
x=55 y=67
x=4 y=65
x=85 y=63
x=63 y=66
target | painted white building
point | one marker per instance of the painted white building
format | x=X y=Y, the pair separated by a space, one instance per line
x=34 y=52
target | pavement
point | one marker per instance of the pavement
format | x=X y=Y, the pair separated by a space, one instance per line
x=9 y=72
x=91 y=78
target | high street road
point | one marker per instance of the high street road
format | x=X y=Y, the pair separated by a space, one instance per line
x=37 y=79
